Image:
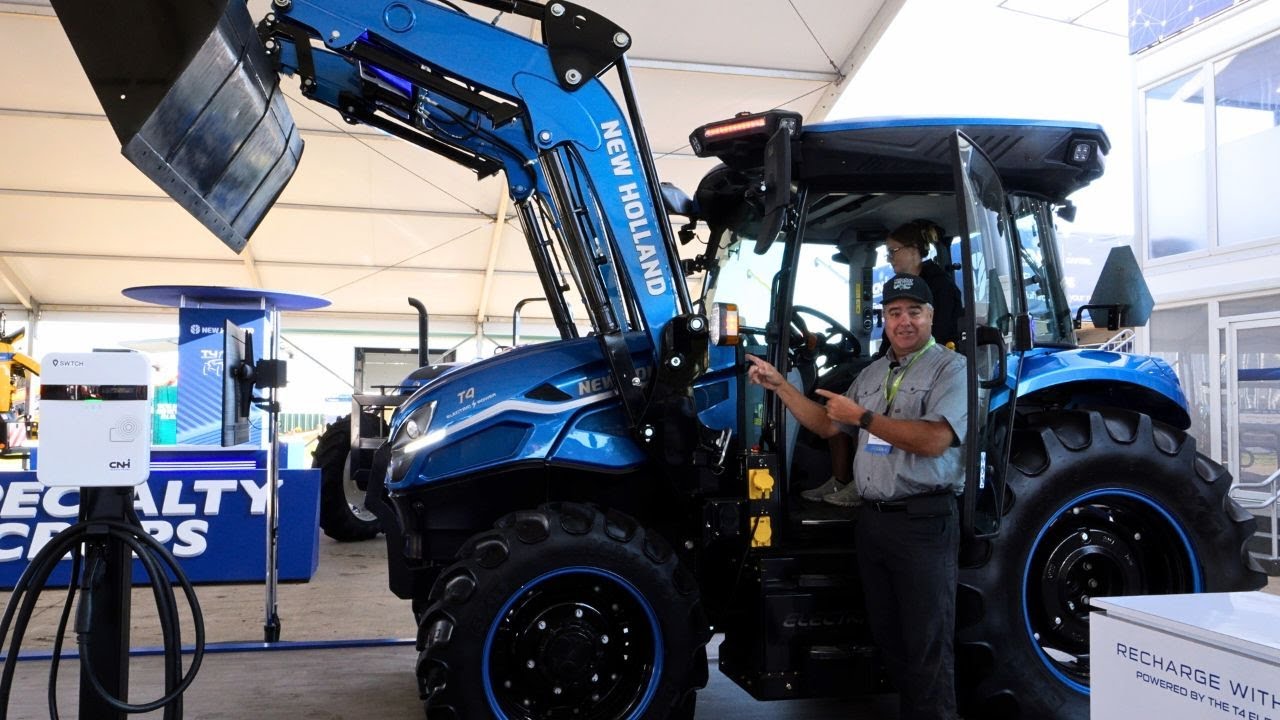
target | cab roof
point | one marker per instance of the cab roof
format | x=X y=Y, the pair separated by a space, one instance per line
x=1047 y=158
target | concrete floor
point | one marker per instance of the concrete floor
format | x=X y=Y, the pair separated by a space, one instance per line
x=346 y=600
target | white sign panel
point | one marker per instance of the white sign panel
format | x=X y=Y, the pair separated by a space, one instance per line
x=1140 y=672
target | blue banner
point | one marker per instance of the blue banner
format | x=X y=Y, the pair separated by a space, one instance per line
x=200 y=371
x=213 y=521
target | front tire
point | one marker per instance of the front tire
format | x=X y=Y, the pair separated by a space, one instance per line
x=343 y=515
x=564 y=611
x=1099 y=503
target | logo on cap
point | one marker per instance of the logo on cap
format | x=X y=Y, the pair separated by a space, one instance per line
x=906 y=286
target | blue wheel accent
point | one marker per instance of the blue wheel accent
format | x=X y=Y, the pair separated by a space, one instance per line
x=1177 y=569
x=541 y=605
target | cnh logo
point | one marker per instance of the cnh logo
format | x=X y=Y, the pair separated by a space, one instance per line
x=119 y=464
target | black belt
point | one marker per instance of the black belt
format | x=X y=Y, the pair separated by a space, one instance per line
x=926 y=503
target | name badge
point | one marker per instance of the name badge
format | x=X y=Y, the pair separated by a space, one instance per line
x=876 y=445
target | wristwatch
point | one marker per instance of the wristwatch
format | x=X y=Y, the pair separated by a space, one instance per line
x=865 y=420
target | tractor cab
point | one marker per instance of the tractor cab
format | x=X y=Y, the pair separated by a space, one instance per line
x=799 y=220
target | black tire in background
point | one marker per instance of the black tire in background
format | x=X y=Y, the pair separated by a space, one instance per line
x=1099 y=503
x=343 y=515
x=564 y=611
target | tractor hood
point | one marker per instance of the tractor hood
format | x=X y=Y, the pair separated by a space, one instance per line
x=523 y=406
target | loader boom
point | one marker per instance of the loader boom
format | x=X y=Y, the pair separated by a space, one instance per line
x=577 y=167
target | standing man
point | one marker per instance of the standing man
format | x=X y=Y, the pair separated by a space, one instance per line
x=911 y=408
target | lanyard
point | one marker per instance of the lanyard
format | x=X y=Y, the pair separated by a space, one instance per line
x=891 y=386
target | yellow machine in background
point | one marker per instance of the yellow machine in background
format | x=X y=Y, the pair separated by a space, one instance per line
x=16 y=424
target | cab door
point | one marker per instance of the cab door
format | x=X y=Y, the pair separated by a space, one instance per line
x=994 y=312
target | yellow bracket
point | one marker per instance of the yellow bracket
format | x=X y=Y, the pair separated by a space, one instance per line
x=760 y=484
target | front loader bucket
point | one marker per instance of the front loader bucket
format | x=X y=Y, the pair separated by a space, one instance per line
x=195 y=101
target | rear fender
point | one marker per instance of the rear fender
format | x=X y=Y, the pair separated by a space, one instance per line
x=1088 y=377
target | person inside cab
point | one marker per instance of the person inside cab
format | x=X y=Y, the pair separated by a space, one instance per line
x=908 y=249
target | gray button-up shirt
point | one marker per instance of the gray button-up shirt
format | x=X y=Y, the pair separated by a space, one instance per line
x=933 y=388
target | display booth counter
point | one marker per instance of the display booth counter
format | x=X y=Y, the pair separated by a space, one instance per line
x=1177 y=657
x=205 y=505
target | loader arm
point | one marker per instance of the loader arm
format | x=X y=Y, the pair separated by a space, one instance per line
x=21 y=363
x=577 y=164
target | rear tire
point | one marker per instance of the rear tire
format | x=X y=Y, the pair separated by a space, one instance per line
x=563 y=611
x=343 y=515
x=1099 y=503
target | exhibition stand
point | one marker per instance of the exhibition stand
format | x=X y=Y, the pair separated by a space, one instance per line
x=1177 y=657
x=205 y=313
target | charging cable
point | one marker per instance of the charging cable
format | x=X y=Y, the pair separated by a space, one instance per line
x=94 y=535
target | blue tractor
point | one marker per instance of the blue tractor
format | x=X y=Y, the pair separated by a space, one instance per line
x=572 y=520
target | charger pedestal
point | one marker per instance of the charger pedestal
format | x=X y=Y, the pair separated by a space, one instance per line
x=108 y=597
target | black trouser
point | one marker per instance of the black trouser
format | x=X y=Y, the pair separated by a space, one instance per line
x=908 y=564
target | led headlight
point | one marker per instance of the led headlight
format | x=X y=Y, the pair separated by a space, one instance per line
x=409 y=438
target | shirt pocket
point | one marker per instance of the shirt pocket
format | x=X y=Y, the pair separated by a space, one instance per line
x=909 y=401
x=867 y=396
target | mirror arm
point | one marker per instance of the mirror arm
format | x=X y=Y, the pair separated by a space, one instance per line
x=988 y=335
x=1114 y=313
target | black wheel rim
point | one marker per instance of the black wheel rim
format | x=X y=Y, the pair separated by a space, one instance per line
x=1103 y=543
x=573 y=643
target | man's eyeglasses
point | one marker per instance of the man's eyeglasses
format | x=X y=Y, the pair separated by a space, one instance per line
x=891 y=251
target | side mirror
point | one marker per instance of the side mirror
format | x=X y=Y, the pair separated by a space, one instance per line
x=677 y=202
x=1121 y=291
x=1067 y=211
x=991 y=370
x=776 y=186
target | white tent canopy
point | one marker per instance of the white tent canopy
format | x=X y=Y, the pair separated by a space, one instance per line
x=369 y=220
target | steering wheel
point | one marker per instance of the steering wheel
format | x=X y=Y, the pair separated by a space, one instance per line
x=834 y=346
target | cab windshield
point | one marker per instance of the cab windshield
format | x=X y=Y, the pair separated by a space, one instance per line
x=840 y=264
x=748 y=280
x=1042 y=273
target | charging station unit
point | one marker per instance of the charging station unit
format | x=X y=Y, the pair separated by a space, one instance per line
x=95 y=421
x=95 y=433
